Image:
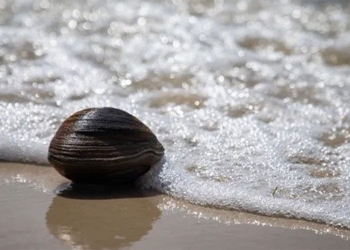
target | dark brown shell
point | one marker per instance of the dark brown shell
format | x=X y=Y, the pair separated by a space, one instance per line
x=103 y=145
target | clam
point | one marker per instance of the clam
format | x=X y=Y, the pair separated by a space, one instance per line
x=103 y=145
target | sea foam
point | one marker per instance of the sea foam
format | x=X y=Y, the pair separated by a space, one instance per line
x=249 y=98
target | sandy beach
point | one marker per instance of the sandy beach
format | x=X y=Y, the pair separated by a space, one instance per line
x=42 y=210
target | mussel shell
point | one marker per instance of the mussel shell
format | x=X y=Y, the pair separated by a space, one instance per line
x=103 y=145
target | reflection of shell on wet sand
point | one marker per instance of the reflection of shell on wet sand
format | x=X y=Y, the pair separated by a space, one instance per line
x=100 y=218
x=100 y=145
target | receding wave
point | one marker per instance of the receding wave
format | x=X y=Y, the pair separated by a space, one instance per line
x=249 y=98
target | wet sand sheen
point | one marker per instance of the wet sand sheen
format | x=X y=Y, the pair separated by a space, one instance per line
x=42 y=211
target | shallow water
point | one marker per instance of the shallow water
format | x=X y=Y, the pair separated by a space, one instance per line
x=249 y=98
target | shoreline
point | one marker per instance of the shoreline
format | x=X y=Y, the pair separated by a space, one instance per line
x=96 y=218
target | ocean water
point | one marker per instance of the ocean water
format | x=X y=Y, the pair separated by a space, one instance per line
x=249 y=98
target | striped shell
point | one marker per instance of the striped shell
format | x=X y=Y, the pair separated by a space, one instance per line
x=103 y=145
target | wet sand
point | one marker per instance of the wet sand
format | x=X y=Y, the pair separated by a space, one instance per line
x=42 y=210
